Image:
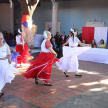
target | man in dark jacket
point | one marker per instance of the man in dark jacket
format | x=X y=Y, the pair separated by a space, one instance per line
x=55 y=47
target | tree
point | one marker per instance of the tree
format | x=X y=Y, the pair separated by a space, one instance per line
x=28 y=7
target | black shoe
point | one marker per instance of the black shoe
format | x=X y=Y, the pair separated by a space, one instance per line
x=66 y=74
x=2 y=94
x=48 y=84
x=78 y=75
x=36 y=81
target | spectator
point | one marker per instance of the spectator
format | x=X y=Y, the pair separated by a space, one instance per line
x=56 y=49
x=63 y=38
x=80 y=37
x=93 y=44
x=84 y=41
x=106 y=46
x=10 y=35
x=101 y=44
x=58 y=39
x=5 y=34
x=2 y=31
x=9 y=38
x=70 y=34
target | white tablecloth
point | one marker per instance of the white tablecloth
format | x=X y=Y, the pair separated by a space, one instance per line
x=95 y=55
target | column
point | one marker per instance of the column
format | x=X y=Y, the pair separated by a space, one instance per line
x=54 y=17
x=11 y=19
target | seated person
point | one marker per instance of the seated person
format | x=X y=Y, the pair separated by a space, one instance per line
x=84 y=41
x=93 y=44
x=101 y=44
x=106 y=46
x=54 y=45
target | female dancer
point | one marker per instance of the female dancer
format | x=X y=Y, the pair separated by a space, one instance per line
x=6 y=69
x=22 y=49
x=14 y=55
x=69 y=61
x=41 y=67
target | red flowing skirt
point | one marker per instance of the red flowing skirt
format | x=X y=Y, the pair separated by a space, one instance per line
x=41 y=67
x=24 y=53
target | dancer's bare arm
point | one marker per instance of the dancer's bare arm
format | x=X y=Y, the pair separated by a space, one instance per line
x=9 y=58
x=23 y=44
x=66 y=43
x=82 y=44
x=52 y=51
x=8 y=54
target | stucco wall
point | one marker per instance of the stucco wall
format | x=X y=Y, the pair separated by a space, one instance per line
x=6 y=17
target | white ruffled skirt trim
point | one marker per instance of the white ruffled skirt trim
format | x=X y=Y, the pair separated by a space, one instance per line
x=6 y=73
x=69 y=61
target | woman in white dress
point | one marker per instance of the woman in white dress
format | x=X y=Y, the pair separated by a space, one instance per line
x=6 y=68
x=69 y=61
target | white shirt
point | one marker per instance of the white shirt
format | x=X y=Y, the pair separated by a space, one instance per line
x=4 y=51
x=18 y=39
x=74 y=42
x=43 y=48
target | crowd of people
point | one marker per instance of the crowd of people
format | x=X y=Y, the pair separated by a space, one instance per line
x=9 y=37
x=101 y=44
x=58 y=40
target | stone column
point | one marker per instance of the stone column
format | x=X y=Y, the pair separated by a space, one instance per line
x=54 y=17
x=11 y=19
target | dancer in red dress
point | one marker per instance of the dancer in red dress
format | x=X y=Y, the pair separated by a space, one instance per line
x=41 y=67
x=22 y=49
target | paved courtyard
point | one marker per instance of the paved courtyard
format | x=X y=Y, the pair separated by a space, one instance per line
x=89 y=91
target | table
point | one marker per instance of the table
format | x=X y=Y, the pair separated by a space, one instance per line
x=98 y=55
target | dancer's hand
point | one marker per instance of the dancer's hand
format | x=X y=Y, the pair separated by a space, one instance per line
x=89 y=45
x=9 y=61
x=63 y=45
x=55 y=55
x=30 y=51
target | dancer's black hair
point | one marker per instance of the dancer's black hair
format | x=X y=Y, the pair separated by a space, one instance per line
x=73 y=34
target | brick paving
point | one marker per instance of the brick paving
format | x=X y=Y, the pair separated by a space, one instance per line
x=22 y=93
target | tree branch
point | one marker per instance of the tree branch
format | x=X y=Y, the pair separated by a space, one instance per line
x=28 y=6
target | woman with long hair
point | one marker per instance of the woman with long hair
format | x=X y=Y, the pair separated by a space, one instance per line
x=101 y=44
x=69 y=61
x=93 y=44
